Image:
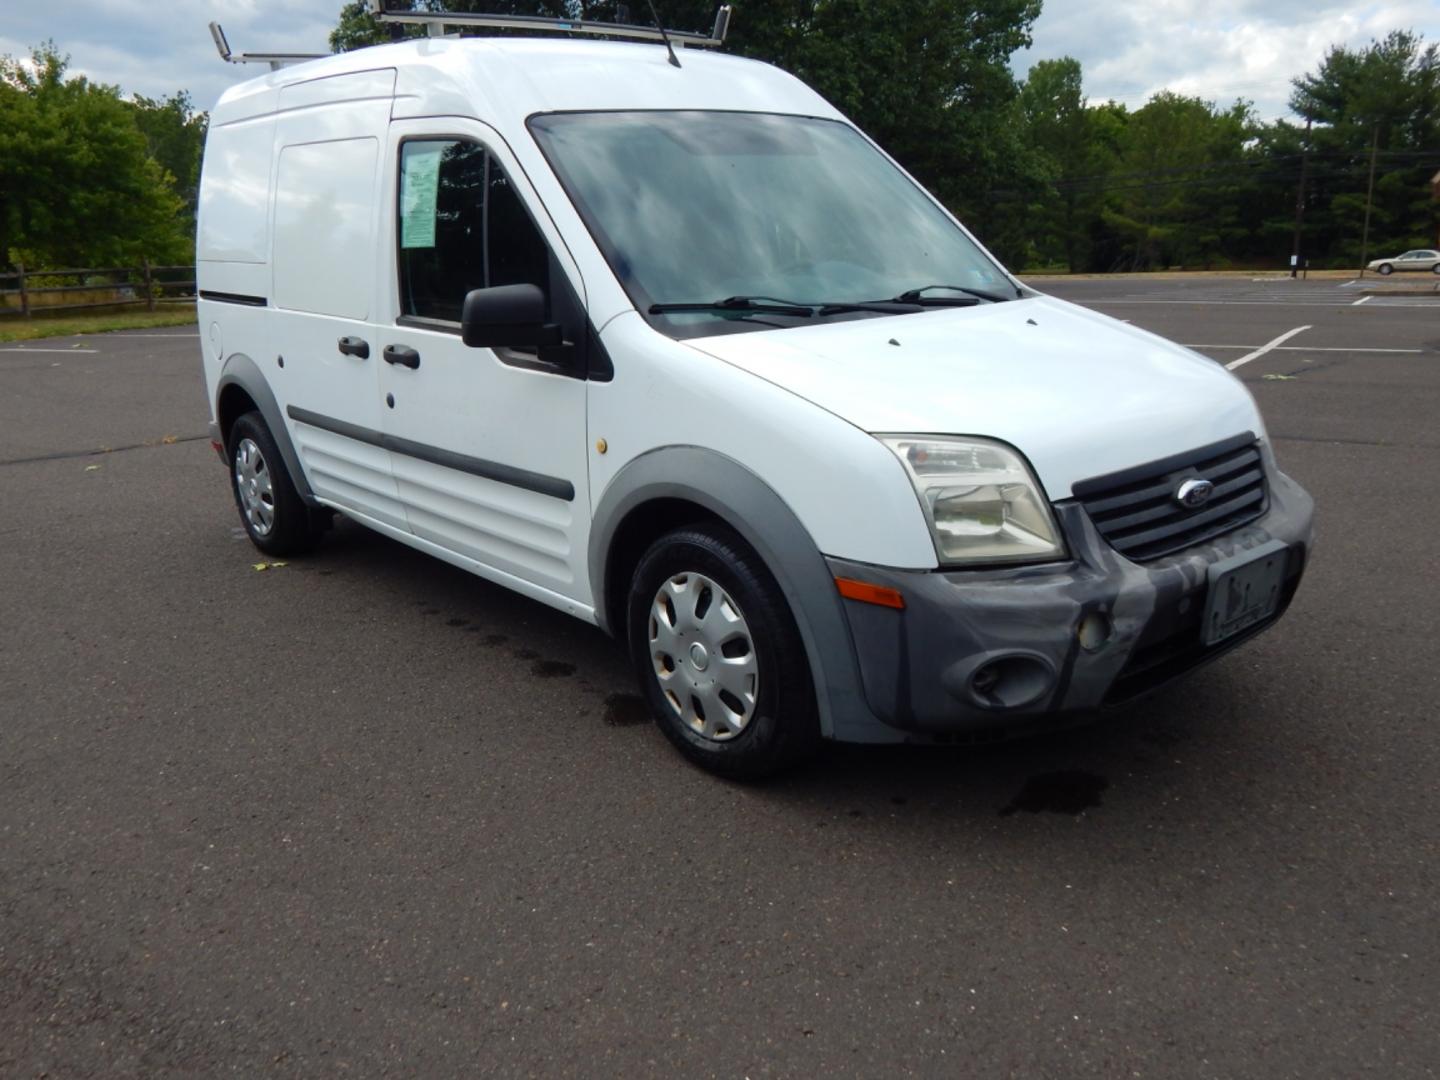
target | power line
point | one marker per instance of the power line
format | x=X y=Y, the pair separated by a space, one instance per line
x=1241 y=163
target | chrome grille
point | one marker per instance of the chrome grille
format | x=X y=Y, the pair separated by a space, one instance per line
x=1137 y=512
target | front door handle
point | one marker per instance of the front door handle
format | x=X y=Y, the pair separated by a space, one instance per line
x=354 y=346
x=402 y=354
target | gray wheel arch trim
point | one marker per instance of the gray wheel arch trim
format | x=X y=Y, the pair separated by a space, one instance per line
x=241 y=371
x=751 y=507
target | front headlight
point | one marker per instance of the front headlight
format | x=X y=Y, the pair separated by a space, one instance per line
x=982 y=503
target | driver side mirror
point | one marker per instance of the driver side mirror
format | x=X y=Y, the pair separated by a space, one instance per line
x=504 y=315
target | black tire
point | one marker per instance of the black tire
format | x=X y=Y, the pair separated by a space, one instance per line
x=1435 y=269
x=781 y=726
x=1385 y=269
x=281 y=523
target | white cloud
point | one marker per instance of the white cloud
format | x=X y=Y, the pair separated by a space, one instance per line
x=1215 y=49
x=155 y=48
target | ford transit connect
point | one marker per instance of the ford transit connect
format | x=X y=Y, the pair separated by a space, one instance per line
x=680 y=351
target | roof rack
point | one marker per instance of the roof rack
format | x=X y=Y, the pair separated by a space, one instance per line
x=435 y=23
x=275 y=60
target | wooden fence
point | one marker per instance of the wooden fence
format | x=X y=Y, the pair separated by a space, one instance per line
x=31 y=292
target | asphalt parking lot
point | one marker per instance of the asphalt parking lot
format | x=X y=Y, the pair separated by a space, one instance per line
x=366 y=814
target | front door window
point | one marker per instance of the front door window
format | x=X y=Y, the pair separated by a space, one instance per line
x=461 y=227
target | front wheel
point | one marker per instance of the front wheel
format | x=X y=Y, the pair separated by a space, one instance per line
x=1385 y=269
x=1435 y=269
x=718 y=654
x=275 y=517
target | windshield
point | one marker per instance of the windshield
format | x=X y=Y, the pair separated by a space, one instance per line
x=697 y=208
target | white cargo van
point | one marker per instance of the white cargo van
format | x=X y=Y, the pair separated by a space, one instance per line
x=679 y=351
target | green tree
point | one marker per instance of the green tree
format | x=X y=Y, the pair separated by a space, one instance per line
x=1386 y=94
x=77 y=185
x=1392 y=85
x=174 y=133
x=1077 y=146
x=1175 y=196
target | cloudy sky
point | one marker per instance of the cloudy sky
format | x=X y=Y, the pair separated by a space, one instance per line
x=1218 y=49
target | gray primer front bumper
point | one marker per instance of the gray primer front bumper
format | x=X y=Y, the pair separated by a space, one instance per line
x=916 y=664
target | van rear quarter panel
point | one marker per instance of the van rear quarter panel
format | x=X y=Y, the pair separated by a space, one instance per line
x=232 y=244
x=250 y=127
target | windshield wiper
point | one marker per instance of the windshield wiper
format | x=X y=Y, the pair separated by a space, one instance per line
x=917 y=296
x=882 y=307
x=767 y=305
x=911 y=301
x=907 y=303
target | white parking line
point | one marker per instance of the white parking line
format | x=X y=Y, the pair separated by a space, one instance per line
x=52 y=350
x=1362 y=300
x=127 y=334
x=1266 y=347
x=1308 y=348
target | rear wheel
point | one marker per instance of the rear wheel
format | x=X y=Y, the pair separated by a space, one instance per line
x=275 y=517
x=718 y=655
x=1435 y=269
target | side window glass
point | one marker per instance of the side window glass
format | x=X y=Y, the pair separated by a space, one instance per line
x=441 y=226
x=460 y=226
x=518 y=255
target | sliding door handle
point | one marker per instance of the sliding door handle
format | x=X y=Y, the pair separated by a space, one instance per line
x=403 y=355
x=354 y=346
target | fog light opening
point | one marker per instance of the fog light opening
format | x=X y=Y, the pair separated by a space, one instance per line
x=1010 y=682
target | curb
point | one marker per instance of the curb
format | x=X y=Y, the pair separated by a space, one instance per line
x=1433 y=290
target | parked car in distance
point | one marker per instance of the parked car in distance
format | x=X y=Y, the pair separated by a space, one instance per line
x=1423 y=259
x=678 y=350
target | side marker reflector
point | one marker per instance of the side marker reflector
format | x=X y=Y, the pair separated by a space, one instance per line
x=870 y=594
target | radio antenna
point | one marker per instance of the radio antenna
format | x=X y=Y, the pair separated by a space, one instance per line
x=665 y=37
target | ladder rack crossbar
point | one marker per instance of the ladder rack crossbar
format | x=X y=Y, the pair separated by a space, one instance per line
x=278 y=57
x=572 y=26
x=275 y=60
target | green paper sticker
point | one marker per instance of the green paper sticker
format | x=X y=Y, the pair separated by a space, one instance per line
x=419 y=185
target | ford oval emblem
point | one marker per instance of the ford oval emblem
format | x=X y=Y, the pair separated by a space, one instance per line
x=1194 y=493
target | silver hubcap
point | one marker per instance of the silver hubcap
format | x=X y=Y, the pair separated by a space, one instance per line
x=252 y=481
x=704 y=656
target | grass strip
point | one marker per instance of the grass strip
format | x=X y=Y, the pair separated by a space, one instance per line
x=63 y=326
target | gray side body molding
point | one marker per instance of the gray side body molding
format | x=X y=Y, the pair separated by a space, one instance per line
x=746 y=503
x=243 y=372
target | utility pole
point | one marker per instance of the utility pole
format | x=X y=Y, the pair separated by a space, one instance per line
x=1300 y=201
x=1369 y=198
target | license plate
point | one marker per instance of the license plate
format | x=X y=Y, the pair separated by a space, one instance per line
x=1243 y=591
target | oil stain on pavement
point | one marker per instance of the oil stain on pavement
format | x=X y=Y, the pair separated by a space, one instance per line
x=1066 y=792
x=626 y=710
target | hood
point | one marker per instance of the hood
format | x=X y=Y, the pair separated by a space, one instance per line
x=1078 y=393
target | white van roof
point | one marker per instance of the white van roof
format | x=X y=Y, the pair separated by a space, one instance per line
x=502 y=81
